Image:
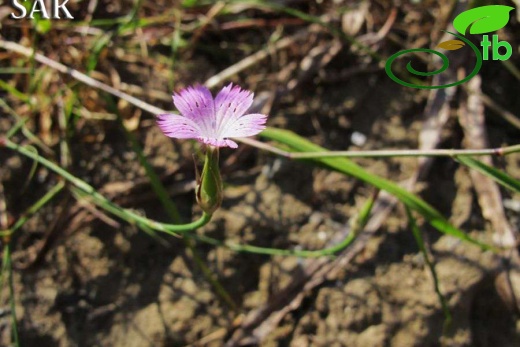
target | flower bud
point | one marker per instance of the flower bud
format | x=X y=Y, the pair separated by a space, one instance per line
x=209 y=191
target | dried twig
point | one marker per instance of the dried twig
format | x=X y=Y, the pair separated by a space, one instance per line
x=14 y=47
x=471 y=116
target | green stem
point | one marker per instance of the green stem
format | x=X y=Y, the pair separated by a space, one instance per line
x=155 y=181
x=7 y=267
x=173 y=213
x=357 y=226
x=420 y=243
x=86 y=191
x=208 y=274
x=21 y=121
x=34 y=208
x=502 y=151
x=100 y=200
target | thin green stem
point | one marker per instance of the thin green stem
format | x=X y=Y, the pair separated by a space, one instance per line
x=34 y=208
x=142 y=222
x=21 y=121
x=357 y=225
x=86 y=191
x=173 y=213
x=207 y=273
x=18 y=126
x=420 y=243
x=155 y=181
x=82 y=197
x=9 y=268
x=101 y=201
x=384 y=153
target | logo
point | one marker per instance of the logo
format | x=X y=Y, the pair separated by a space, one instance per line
x=479 y=20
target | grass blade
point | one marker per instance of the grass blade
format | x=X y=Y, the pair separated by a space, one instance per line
x=489 y=171
x=36 y=207
x=7 y=269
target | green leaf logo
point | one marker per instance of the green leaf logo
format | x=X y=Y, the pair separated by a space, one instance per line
x=481 y=20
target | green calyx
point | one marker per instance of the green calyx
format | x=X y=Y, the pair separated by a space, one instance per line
x=209 y=191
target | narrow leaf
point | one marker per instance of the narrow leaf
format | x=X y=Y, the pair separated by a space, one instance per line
x=348 y=167
x=430 y=262
x=496 y=175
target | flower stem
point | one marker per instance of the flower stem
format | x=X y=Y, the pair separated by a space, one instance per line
x=33 y=209
x=501 y=151
x=100 y=200
x=84 y=190
x=7 y=270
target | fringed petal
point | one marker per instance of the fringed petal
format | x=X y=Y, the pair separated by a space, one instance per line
x=173 y=125
x=246 y=125
x=196 y=103
x=230 y=104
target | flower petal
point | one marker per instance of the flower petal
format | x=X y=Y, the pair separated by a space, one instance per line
x=230 y=104
x=246 y=125
x=196 y=103
x=173 y=125
x=230 y=143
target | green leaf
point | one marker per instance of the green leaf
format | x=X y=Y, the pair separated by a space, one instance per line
x=496 y=175
x=348 y=167
x=481 y=20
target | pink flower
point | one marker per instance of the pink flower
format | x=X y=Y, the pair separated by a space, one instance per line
x=212 y=121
